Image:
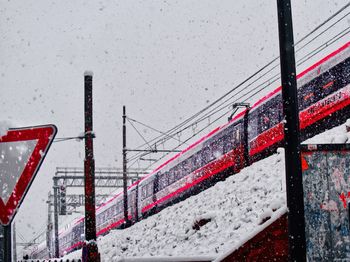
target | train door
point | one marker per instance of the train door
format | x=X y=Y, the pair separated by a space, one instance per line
x=133 y=205
x=138 y=199
x=155 y=189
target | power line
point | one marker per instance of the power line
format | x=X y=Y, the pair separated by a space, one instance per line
x=324 y=22
x=163 y=133
x=332 y=25
x=139 y=133
x=307 y=57
x=268 y=64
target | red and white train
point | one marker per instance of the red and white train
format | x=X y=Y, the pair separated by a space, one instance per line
x=324 y=102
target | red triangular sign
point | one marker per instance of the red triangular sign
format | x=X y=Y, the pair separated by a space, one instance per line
x=22 y=151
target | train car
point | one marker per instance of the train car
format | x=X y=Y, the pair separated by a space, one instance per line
x=324 y=99
x=37 y=251
x=71 y=237
x=110 y=215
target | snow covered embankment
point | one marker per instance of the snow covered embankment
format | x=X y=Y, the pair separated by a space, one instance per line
x=235 y=209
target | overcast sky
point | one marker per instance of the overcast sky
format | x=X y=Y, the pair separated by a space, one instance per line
x=164 y=60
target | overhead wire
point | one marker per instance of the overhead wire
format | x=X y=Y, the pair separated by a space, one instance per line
x=263 y=85
x=276 y=77
x=310 y=55
x=139 y=134
x=163 y=133
x=275 y=59
x=212 y=112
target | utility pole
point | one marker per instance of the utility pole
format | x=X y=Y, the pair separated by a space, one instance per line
x=55 y=211
x=125 y=186
x=1 y=243
x=49 y=226
x=14 y=247
x=90 y=251
x=7 y=243
x=295 y=196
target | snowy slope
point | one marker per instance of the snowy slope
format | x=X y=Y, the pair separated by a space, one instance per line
x=236 y=208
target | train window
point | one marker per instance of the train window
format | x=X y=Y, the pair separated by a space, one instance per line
x=198 y=160
x=150 y=188
x=177 y=172
x=157 y=181
x=237 y=134
x=120 y=207
x=171 y=176
x=228 y=144
x=181 y=170
x=234 y=136
x=221 y=144
x=144 y=191
x=213 y=150
x=174 y=169
x=345 y=73
x=307 y=95
x=192 y=162
x=274 y=113
x=326 y=86
x=219 y=148
x=206 y=155
x=161 y=183
x=186 y=167
x=263 y=121
x=279 y=107
x=253 y=125
x=166 y=178
x=163 y=180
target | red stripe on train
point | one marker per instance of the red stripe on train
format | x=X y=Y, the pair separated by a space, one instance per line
x=266 y=139
x=307 y=118
x=76 y=245
x=324 y=108
x=209 y=170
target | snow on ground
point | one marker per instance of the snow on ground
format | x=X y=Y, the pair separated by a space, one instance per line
x=235 y=207
x=333 y=136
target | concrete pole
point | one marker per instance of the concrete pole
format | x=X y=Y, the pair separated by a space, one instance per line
x=89 y=170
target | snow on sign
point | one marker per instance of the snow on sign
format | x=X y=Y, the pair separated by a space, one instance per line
x=22 y=151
